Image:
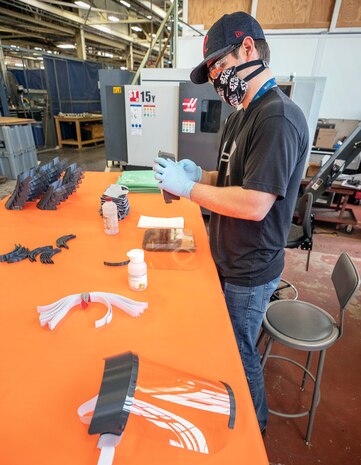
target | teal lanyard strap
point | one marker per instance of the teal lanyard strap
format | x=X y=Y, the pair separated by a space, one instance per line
x=266 y=86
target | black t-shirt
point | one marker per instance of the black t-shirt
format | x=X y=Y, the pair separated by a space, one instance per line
x=267 y=146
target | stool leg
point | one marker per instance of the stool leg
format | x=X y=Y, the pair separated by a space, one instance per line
x=308 y=364
x=266 y=352
x=315 y=396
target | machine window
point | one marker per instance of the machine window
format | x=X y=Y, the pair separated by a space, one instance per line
x=211 y=115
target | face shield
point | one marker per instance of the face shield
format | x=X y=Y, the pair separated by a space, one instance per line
x=178 y=412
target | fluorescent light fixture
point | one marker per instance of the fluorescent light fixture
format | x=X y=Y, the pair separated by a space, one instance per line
x=123 y=68
x=38 y=48
x=136 y=29
x=109 y=55
x=153 y=35
x=66 y=46
x=125 y=3
x=19 y=65
x=149 y=17
x=82 y=4
x=40 y=58
x=113 y=19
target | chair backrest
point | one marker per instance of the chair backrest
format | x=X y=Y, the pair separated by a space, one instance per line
x=305 y=212
x=346 y=280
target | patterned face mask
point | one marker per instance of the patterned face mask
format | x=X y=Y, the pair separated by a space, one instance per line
x=231 y=88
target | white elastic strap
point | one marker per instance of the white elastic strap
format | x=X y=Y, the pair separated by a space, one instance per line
x=106 y=455
x=107 y=444
x=85 y=409
x=53 y=313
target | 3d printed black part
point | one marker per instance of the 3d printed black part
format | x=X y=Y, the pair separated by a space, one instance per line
x=16 y=255
x=117 y=388
x=34 y=253
x=46 y=257
x=117 y=263
x=62 y=241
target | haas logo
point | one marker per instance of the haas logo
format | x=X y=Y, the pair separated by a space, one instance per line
x=189 y=105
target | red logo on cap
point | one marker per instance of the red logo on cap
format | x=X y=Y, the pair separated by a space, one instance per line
x=205 y=49
x=238 y=34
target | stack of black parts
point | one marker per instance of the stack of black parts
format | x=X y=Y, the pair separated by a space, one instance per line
x=119 y=195
x=46 y=252
x=47 y=182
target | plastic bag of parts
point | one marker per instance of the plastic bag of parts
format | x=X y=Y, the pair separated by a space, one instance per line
x=158 y=412
x=170 y=249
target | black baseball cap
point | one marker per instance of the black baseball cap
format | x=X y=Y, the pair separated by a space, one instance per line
x=228 y=32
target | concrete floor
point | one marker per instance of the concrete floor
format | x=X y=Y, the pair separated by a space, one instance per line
x=337 y=430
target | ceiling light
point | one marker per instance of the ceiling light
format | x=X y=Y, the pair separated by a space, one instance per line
x=125 y=3
x=109 y=55
x=149 y=17
x=66 y=46
x=123 y=68
x=38 y=48
x=153 y=35
x=136 y=29
x=113 y=19
x=82 y=4
x=19 y=65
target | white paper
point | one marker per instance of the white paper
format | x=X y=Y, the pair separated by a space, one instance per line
x=156 y=222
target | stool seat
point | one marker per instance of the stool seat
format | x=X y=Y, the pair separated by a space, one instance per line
x=300 y=325
x=300 y=320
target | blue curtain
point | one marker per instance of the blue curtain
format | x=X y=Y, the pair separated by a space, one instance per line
x=72 y=85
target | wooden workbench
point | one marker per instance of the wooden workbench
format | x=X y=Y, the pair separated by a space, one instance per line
x=77 y=120
x=46 y=375
x=8 y=121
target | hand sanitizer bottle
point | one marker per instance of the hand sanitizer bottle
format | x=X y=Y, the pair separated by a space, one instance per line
x=137 y=270
x=110 y=217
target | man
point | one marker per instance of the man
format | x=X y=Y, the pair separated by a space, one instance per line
x=253 y=194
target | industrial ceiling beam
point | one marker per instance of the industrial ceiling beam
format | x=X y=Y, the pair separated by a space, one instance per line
x=121 y=21
x=29 y=19
x=76 y=19
x=70 y=5
x=157 y=35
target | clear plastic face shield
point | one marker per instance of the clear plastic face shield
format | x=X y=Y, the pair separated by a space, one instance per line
x=158 y=408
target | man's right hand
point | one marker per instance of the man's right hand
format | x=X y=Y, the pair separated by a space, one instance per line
x=193 y=171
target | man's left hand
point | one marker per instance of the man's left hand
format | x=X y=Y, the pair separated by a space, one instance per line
x=172 y=178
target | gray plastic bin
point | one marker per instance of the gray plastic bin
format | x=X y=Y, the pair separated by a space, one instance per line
x=16 y=139
x=12 y=165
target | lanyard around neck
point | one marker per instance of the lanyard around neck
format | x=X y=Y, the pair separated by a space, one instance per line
x=266 y=86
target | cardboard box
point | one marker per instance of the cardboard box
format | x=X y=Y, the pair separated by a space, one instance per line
x=96 y=130
x=326 y=138
x=313 y=168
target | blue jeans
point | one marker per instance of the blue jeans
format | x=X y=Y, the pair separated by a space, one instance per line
x=246 y=308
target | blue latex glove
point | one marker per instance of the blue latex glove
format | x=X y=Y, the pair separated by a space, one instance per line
x=194 y=172
x=172 y=177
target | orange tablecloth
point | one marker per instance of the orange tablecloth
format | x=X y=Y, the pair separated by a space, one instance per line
x=46 y=375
